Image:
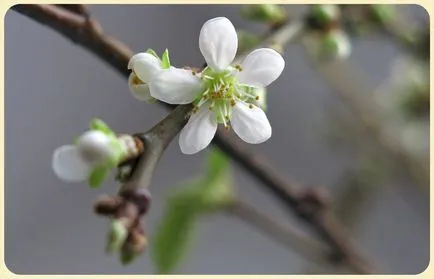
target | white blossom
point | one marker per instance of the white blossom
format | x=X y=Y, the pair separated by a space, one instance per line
x=222 y=93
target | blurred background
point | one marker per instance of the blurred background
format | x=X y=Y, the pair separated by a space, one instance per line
x=345 y=129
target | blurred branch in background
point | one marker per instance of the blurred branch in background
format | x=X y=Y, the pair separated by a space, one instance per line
x=391 y=21
x=310 y=206
x=82 y=10
x=386 y=129
x=353 y=89
x=310 y=249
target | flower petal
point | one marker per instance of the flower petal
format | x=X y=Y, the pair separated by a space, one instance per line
x=175 y=86
x=68 y=165
x=218 y=42
x=145 y=65
x=140 y=91
x=261 y=67
x=198 y=132
x=250 y=124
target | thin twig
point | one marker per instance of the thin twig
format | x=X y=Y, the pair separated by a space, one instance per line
x=91 y=37
x=290 y=237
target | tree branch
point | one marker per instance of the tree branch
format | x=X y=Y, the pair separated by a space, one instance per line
x=80 y=9
x=308 y=206
x=155 y=142
x=308 y=248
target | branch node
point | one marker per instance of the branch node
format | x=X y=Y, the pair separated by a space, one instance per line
x=313 y=202
x=140 y=197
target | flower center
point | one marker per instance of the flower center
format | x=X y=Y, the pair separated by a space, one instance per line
x=222 y=91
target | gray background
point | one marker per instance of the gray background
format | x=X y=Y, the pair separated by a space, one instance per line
x=53 y=89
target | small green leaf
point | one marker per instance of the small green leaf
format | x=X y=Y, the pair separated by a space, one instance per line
x=218 y=194
x=173 y=234
x=217 y=162
x=191 y=200
x=151 y=51
x=165 y=60
x=116 y=236
x=99 y=125
x=97 y=176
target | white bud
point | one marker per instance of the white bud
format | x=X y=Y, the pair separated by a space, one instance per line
x=336 y=44
x=94 y=147
x=331 y=11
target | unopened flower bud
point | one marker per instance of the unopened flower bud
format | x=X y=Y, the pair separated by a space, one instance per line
x=335 y=45
x=323 y=17
x=271 y=13
x=138 y=240
x=116 y=236
x=94 y=146
x=108 y=205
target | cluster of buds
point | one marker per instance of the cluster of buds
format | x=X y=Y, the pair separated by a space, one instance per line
x=325 y=38
x=126 y=234
x=365 y=17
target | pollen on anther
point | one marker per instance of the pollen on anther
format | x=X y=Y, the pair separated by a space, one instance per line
x=251 y=106
x=232 y=102
x=257 y=98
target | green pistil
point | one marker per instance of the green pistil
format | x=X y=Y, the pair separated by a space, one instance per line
x=221 y=93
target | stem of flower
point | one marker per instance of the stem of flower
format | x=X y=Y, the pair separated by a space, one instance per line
x=155 y=142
